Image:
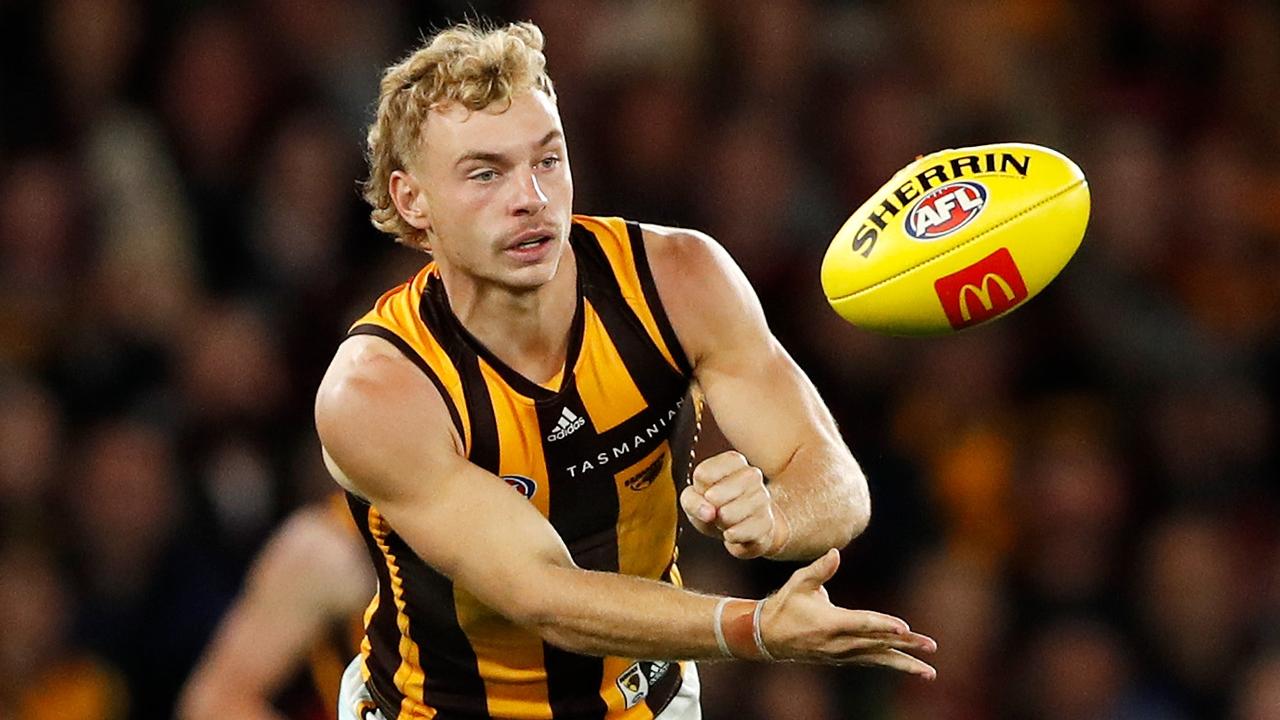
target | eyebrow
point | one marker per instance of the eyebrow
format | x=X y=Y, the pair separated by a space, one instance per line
x=493 y=157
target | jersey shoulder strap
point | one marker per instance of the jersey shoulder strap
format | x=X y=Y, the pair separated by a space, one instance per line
x=397 y=318
x=619 y=245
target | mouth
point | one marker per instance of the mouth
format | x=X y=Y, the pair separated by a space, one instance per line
x=531 y=238
x=531 y=244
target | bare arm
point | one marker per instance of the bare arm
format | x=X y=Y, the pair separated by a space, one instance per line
x=310 y=574
x=816 y=496
x=387 y=429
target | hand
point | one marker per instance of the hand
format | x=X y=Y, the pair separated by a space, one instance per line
x=728 y=500
x=800 y=623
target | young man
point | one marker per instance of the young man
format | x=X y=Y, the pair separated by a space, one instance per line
x=551 y=354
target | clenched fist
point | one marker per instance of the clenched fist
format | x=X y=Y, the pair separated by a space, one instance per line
x=728 y=500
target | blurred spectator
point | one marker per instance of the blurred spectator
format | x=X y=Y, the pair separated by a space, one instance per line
x=956 y=595
x=149 y=593
x=31 y=435
x=777 y=79
x=1257 y=694
x=39 y=250
x=1212 y=441
x=1080 y=670
x=1192 y=610
x=233 y=372
x=656 y=128
x=301 y=208
x=797 y=691
x=332 y=49
x=960 y=433
x=761 y=217
x=43 y=676
x=214 y=96
x=92 y=45
x=1073 y=500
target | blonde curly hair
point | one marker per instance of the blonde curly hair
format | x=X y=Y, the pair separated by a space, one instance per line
x=472 y=65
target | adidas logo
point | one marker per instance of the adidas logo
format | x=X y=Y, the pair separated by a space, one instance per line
x=566 y=425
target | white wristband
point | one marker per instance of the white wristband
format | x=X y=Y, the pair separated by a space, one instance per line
x=755 y=630
x=724 y=646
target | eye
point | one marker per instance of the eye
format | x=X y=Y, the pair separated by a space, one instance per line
x=484 y=176
x=549 y=162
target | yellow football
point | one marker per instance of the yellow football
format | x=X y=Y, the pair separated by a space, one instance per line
x=957 y=238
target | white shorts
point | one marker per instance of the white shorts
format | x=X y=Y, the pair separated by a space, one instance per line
x=355 y=703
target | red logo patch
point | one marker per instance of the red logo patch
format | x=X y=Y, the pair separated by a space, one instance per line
x=981 y=291
x=523 y=485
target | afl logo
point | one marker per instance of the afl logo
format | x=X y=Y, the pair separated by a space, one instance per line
x=946 y=209
x=525 y=486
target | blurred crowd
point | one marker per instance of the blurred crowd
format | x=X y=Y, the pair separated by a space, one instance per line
x=1080 y=501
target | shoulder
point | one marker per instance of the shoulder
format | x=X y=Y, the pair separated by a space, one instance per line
x=364 y=369
x=374 y=406
x=675 y=249
x=703 y=291
x=689 y=266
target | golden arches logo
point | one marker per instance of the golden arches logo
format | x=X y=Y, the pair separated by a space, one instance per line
x=982 y=293
x=968 y=295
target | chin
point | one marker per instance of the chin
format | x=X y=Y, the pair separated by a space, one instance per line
x=531 y=277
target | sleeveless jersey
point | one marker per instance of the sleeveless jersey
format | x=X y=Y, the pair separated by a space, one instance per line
x=594 y=456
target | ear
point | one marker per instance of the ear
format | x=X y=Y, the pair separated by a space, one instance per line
x=410 y=200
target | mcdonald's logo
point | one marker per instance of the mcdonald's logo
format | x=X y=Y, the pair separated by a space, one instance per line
x=981 y=291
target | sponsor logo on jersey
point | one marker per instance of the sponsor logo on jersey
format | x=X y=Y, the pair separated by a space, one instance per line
x=622 y=448
x=568 y=424
x=635 y=681
x=946 y=209
x=646 y=476
x=931 y=177
x=985 y=289
x=523 y=485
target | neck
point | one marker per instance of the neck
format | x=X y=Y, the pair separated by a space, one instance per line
x=528 y=330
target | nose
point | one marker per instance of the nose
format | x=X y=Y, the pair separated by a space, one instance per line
x=530 y=200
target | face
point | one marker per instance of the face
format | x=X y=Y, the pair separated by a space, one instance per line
x=492 y=189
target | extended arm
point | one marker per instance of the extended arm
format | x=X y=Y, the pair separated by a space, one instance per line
x=311 y=573
x=388 y=433
x=816 y=497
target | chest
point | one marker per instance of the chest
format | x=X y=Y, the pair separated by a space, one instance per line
x=593 y=456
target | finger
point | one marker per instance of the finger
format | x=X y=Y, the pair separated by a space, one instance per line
x=696 y=506
x=735 y=505
x=746 y=551
x=740 y=483
x=910 y=641
x=711 y=470
x=879 y=642
x=745 y=520
x=894 y=660
x=815 y=574
x=869 y=622
x=750 y=531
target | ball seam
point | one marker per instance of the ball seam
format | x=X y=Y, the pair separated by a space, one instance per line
x=939 y=256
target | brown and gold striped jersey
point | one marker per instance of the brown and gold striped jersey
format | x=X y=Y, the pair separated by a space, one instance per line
x=592 y=450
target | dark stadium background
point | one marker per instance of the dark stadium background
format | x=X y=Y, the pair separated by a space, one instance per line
x=1079 y=502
